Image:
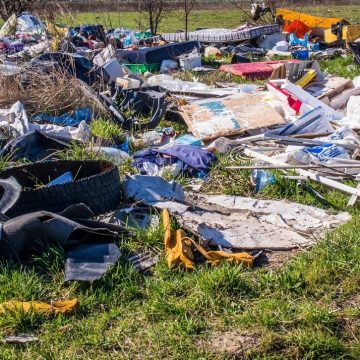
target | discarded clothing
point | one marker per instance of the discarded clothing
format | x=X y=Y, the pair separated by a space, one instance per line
x=56 y=307
x=152 y=189
x=195 y=161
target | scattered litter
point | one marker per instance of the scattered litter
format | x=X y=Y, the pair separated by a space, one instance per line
x=20 y=339
x=160 y=117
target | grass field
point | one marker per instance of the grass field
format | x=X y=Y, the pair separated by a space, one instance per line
x=307 y=309
x=204 y=18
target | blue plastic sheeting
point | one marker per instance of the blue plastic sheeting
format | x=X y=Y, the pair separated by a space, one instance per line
x=62 y=179
x=69 y=119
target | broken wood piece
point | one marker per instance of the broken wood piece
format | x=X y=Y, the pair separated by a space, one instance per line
x=353 y=198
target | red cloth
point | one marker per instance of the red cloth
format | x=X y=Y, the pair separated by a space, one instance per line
x=296 y=27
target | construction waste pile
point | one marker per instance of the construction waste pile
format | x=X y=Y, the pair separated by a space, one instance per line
x=286 y=117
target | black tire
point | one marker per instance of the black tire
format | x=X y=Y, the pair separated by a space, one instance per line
x=97 y=184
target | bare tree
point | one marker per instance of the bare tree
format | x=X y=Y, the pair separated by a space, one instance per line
x=155 y=11
x=187 y=6
x=9 y=7
x=261 y=13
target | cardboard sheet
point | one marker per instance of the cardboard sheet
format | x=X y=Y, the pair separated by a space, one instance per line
x=212 y=118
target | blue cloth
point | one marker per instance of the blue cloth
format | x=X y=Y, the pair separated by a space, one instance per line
x=196 y=161
x=294 y=40
x=68 y=119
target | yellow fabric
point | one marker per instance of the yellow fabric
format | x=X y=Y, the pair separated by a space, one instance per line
x=216 y=257
x=178 y=250
x=55 y=30
x=350 y=33
x=309 y=20
x=177 y=246
x=56 y=307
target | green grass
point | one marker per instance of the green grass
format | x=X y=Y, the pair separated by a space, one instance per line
x=107 y=130
x=224 y=18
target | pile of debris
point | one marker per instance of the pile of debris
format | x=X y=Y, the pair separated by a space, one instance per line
x=58 y=81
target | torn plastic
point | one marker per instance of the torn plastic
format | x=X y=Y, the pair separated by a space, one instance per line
x=148 y=102
x=90 y=262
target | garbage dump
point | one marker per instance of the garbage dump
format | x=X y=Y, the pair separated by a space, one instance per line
x=61 y=181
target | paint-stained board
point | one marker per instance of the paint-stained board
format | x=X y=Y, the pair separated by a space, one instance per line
x=211 y=118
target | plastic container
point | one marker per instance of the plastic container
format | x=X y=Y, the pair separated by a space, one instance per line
x=261 y=179
x=190 y=62
x=300 y=54
x=143 y=68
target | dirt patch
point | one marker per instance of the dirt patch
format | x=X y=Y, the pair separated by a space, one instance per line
x=353 y=301
x=275 y=259
x=232 y=342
